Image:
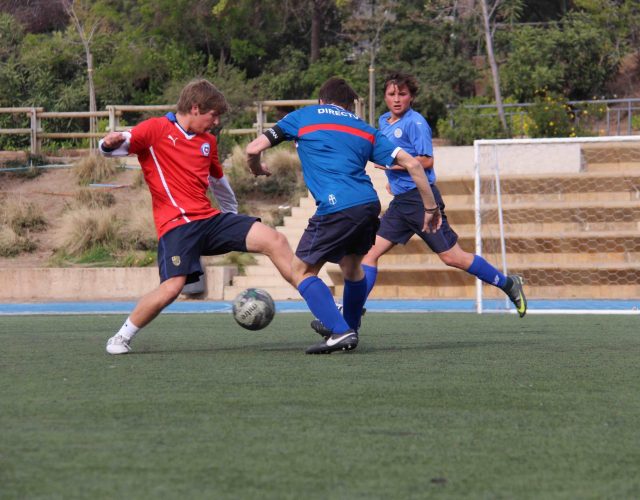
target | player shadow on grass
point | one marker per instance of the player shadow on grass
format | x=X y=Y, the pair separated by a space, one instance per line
x=214 y=349
x=362 y=349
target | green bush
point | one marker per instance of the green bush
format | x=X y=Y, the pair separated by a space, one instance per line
x=463 y=125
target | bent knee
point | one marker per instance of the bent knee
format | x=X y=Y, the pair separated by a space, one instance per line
x=458 y=260
x=171 y=289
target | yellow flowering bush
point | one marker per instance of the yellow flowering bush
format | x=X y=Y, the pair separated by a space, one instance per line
x=551 y=116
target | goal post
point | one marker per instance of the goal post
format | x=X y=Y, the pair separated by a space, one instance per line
x=564 y=213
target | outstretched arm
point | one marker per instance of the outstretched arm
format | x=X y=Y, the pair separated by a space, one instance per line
x=432 y=216
x=115 y=144
x=254 y=149
x=425 y=161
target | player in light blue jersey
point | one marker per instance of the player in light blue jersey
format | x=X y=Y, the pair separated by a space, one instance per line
x=409 y=130
x=334 y=146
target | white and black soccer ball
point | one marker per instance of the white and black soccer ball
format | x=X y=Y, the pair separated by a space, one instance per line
x=253 y=309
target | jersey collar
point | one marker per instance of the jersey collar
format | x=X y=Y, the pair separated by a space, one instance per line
x=172 y=118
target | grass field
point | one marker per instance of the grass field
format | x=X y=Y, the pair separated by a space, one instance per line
x=428 y=406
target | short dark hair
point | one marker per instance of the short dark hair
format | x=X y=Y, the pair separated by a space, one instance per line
x=337 y=91
x=205 y=95
x=403 y=79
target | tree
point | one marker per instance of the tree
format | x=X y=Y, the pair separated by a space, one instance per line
x=575 y=57
x=488 y=35
x=86 y=28
x=364 y=27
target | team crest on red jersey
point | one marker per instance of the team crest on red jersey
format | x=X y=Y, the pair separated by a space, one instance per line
x=205 y=149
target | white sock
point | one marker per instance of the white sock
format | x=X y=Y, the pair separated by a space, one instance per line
x=128 y=330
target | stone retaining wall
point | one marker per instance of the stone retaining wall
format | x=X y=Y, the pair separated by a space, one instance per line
x=111 y=283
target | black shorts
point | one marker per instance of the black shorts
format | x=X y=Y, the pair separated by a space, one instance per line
x=330 y=237
x=180 y=249
x=405 y=217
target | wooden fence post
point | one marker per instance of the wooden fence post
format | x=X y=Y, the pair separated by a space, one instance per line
x=112 y=118
x=260 y=118
x=36 y=142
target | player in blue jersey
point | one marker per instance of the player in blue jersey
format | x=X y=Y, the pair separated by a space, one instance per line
x=409 y=130
x=334 y=146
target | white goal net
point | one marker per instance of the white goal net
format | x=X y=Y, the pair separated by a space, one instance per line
x=565 y=215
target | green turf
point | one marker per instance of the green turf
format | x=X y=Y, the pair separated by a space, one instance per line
x=428 y=406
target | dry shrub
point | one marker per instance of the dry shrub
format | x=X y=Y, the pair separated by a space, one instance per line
x=138 y=181
x=81 y=230
x=22 y=217
x=95 y=198
x=94 y=168
x=12 y=244
x=139 y=231
x=239 y=171
x=285 y=183
x=282 y=160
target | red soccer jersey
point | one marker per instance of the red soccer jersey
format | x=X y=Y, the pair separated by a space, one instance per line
x=176 y=166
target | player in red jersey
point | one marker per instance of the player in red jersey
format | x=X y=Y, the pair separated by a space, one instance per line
x=179 y=159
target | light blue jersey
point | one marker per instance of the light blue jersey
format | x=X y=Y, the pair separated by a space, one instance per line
x=413 y=134
x=334 y=146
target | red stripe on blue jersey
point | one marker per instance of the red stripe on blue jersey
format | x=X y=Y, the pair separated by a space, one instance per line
x=338 y=128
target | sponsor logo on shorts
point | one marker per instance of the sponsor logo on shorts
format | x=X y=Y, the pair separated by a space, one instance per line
x=332 y=200
x=205 y=149
x=176 y=260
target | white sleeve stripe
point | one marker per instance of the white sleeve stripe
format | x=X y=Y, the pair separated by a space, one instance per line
x=122 y=150
x=166 y=187
x=395 y=152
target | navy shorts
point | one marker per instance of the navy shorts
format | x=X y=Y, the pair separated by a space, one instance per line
x=405 y=217
x=180 y=249
x=330 y=237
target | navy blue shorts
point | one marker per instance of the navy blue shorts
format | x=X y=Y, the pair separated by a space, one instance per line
x=405 y=217
x=180 y=249
x=330 y=237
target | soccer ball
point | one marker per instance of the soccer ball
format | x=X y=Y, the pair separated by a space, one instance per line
x=253 y=309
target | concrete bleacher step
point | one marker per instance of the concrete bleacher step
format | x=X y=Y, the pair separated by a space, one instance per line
x=537 y=273
x=611 y=156
x=598 y=210
x=266 y=281
x=621 y=167
x=520 y=259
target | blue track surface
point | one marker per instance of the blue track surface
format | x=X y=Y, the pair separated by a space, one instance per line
x=195 y=307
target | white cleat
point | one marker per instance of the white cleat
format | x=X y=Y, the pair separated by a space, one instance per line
x=118 y=345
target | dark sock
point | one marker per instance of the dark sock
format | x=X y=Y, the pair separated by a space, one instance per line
x=353 y=299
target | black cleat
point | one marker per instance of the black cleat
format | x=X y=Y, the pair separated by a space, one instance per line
x=346 y=341
x=322 y=330
x=516 y=294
